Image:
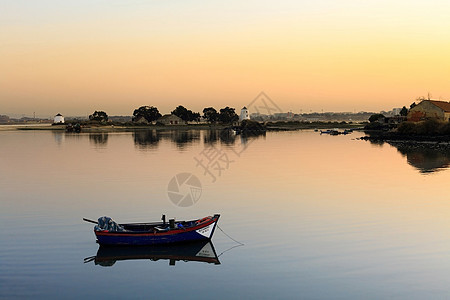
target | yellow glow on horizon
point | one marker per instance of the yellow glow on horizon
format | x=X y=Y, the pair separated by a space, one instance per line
x=334 y=61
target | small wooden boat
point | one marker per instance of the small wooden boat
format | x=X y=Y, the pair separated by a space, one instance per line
x=109 y=232
x=328 y=131
x=200 y=251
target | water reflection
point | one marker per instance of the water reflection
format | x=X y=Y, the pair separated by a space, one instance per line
x=246 y=139
x=346 y=240
x=58 y=136
x=150 y=139
x=181 y=138
x=99 y=139
x=211 y=137
x=202 y=251
x=426 y=158
x=146 y=139
x=226 y=136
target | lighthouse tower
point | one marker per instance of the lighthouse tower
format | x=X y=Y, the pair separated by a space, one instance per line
x=244 y=114
x=59 y=119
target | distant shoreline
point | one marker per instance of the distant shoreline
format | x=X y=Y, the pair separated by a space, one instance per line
x=377 y=136
x=270 y=126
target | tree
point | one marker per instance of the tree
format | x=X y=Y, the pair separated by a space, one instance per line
x=210 y=114
x=227 y=115
x=181 y=112
x=186 y=114
x=375 y=117
x=195 y=117
x=99 y=116
x=403 y=111
x=149 y=113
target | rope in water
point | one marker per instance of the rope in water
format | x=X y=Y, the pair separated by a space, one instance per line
x=240 y=244
x=235 y=246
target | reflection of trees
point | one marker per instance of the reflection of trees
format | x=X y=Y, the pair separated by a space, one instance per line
x=146 y=138
x=374 y=138
x=99 y=139
x=245 y=138
x=377 y=143
x=425 y=158
x=60 y=136
x=227 y=137
x=151 y=138
x=183 y=138
x=211 y=137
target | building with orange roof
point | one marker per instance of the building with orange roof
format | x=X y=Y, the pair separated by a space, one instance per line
x=430 y=109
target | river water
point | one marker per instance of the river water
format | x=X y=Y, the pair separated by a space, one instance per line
x=319 y=216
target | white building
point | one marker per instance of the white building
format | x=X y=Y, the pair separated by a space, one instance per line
x=396 y=111
x=244 y=114
x=58 y=119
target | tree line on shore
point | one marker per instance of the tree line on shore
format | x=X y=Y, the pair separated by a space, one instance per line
x=226 y=115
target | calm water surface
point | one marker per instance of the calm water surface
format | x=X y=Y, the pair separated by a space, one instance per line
x=321 y=217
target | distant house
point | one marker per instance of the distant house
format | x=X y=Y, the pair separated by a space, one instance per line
x=391 y=122
x=170 y=119
x=140 y=120
x=59 y=119
x=4 y=119
x=430 y=109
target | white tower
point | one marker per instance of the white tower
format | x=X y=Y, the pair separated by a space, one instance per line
x=58 y=119
x=244 y=114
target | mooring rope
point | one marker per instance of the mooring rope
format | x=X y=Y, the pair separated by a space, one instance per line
x=240 y=244
x=235 y=246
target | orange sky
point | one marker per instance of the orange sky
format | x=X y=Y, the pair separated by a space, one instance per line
x=117 y=55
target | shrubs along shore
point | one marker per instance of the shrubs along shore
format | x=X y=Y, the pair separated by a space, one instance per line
x=424 y=131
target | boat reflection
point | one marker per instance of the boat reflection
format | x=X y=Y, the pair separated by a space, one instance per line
x=202 y=251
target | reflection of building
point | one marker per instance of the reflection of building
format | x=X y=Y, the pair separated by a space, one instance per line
x=426 y=162
x=170 y=119
x=244 y=114
x=430 y=109
x=59 y=119
x=425 y=158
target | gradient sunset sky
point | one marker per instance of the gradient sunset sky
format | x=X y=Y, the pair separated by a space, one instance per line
x=75 y=57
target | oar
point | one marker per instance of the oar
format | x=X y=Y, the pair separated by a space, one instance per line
x=89 y=259
x=90 y=221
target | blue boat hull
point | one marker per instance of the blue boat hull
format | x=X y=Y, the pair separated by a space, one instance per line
x=203 y=231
